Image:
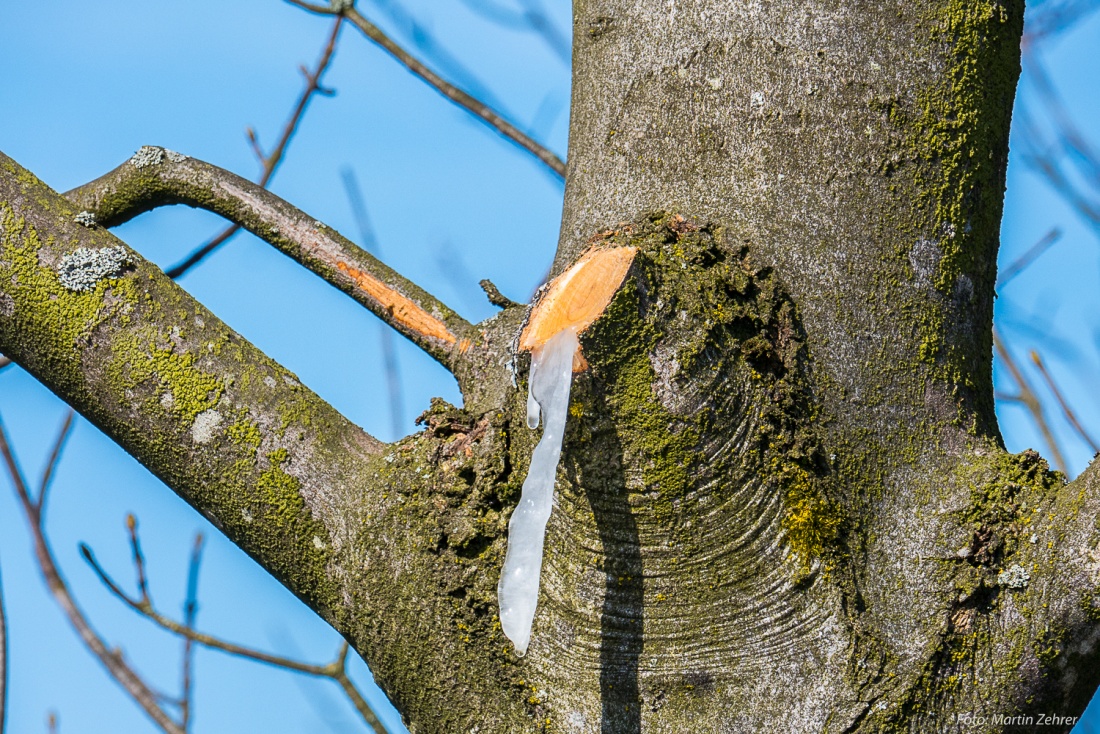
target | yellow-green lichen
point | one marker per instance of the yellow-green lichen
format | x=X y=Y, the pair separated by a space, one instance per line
x=177 y=383
x=959 y=140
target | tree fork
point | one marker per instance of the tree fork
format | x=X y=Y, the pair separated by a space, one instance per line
x=782 y=503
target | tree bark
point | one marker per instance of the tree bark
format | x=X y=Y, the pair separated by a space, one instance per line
x=783 y=503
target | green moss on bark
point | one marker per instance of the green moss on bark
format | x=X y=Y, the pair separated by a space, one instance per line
x=696 y=311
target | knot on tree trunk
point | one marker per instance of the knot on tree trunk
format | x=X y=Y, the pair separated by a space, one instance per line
x=730 y=519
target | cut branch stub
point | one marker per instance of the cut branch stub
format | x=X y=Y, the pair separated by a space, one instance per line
x=577 y=297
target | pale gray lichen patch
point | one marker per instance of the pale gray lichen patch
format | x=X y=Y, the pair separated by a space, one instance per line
x=147 y=155
x=174 y=156
x=318 y=543
x=167 y=400
x=270 y=381
x=205 y=426
x=82 y=268
x=85 y=219
x=7 y=305
x=1014 y=577
x=339 y=6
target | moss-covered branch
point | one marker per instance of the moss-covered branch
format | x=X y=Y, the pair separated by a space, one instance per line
x=157 y=177
x=231 y=431
x=393 y=545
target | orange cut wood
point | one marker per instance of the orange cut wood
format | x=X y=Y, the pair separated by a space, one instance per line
x=404 y=311
x=577 y=297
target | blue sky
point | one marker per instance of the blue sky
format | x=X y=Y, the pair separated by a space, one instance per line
x=451 y=203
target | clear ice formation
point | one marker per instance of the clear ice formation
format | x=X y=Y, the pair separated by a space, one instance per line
x=518 y=590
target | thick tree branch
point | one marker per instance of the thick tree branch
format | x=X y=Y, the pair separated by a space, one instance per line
x=270 y=161
x=471 y=104
x=231 y=431
x=134 y=188
x=349 y=525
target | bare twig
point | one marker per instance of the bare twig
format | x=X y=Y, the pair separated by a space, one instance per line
x=138 y=558
x=334 y=670
x=1069 y=136
x=1067 y=411
x=466 y=101
x=1045 y=156
x=1027 y=397
x=495 y=296
x=385 y=336
x=433 y=52
x=4 y=361
x=51 y=723
x=112 y=660
x=270 y=162
x=1053 y=18
x=339 y=673
x=55 y=456
x=532 y=17
x=1019 y=264
x=190 y=611
x=3 y=661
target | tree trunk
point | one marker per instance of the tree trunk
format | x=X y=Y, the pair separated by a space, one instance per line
x=782 y=504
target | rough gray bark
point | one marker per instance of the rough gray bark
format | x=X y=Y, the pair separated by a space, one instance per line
x=783 y=503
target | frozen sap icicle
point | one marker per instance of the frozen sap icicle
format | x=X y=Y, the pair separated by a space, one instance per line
x=518 y=590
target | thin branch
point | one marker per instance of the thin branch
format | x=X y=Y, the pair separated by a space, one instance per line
x=432 y=52
x=51 y=463
x=1044 y=155
x=533 y=17
x=333 y=670
x=340 y=675
x=128 y=191
x=1070 y=137
x=271 y=161
x=539 y=20
x=3 y=661
x=389 y=353
x=471 y=104
x=4 y=361
x=138 y=559
x=1019 y=264
x=190 y=611
x=1027 y=397
x=1071 y=417
x=112 y=660
x=1055 y=18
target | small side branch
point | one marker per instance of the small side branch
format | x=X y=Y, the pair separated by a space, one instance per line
x=471 y=104
x=1027 y=397
x=1067 y=411
x=190 y=611
x=270 y=161
x=132 y=189
x=336 y=670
